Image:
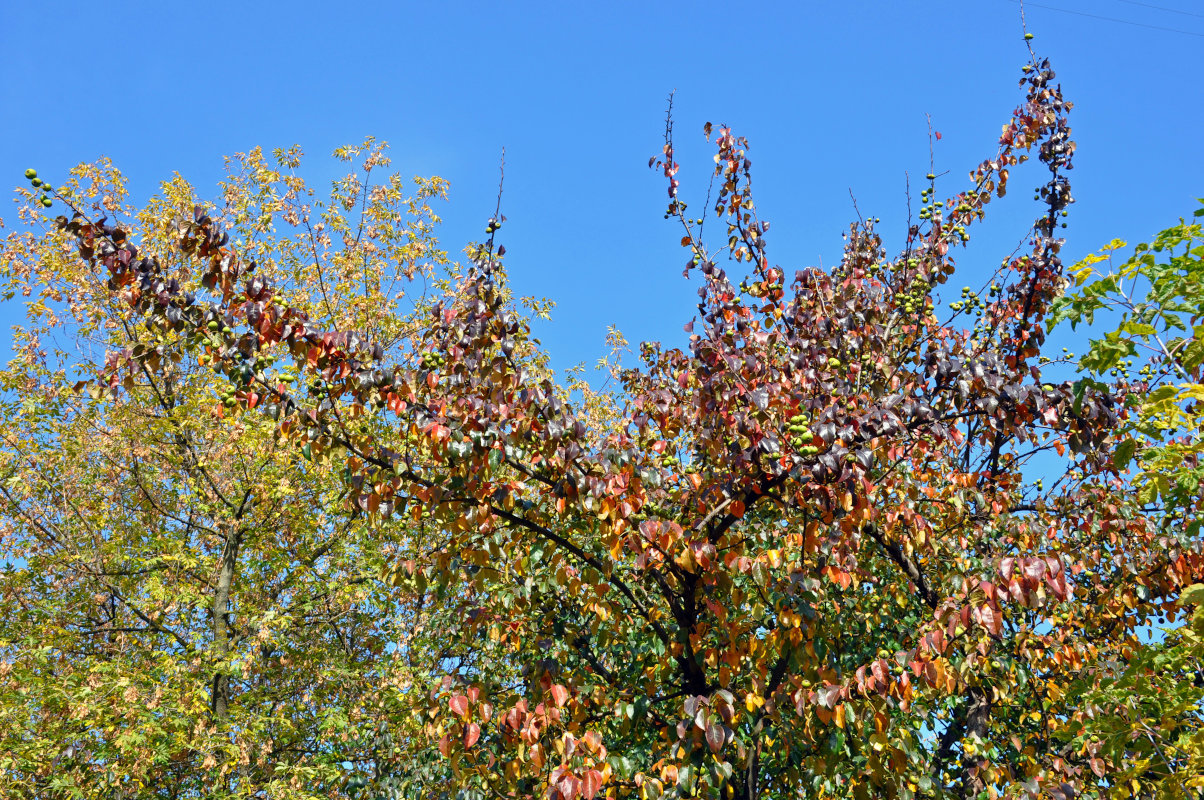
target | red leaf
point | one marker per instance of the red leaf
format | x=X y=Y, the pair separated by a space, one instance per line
x=560 y=695
x=591 y=783
x=472 y=732
x=569 y=786
x=459 y=705
x=938 y=136
x=990 y=619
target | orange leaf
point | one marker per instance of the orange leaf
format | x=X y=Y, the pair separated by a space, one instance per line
x=560 y=695
x=472 y=732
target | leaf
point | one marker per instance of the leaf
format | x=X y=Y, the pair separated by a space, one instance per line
x=560 y=695
x=1192 y=596
x=714 y=736
x=1124 y=453
x=991 y=619
x=569 y=786
x=472 y=732
x=828 y=696
x=591 y=783
x=459 y=705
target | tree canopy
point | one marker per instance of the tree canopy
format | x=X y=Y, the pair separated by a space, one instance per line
x=295 y=506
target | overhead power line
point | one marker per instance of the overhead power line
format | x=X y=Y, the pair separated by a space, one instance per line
x=1164 y=8
x=1113 y=19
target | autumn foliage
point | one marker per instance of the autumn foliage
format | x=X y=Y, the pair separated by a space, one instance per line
x=806 y=555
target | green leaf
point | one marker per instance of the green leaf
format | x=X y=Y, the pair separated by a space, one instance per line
x=1193 y=595
x=1124 y=453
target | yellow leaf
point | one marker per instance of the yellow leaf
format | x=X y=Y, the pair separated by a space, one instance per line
x=1192 y=595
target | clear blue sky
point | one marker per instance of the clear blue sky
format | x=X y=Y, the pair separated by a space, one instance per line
x=833 y=97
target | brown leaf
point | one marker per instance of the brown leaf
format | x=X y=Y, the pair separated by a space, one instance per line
x=714 y=736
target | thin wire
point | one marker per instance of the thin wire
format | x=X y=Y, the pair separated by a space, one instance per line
x=1163 y=8
x=1114 y=19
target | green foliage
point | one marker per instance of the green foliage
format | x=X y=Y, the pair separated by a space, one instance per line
x=1156 y=298
x=1150 y=700
x=189 y=610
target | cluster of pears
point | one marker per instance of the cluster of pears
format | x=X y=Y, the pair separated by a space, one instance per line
x=970 y=301
x=44 y=188
x=915 y=298
x=229 y=397
x=930 y=208
x=432 y=360
x=801 y=435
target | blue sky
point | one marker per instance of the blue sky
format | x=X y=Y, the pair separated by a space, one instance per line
x=833 y=97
